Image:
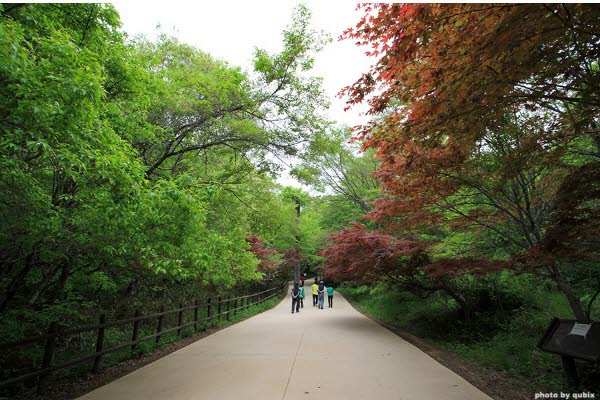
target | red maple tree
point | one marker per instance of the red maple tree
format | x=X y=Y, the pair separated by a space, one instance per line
x=268 y=263
x=357 y=254
x=292 y=256
x=367 y=256
x=445 y=80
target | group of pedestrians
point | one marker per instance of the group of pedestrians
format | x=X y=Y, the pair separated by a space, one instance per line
x=318 y=293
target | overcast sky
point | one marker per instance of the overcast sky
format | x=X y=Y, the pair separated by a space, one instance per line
x=232 y=30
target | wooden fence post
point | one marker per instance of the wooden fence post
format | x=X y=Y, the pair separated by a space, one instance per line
x=570 y=369
x=228 y=306
x=136 y=329
x=160 y=323
x=219 y=309
x=52 y=337
x=49 y=350
x=180 y=319
x=196 y=305
x=99 y=344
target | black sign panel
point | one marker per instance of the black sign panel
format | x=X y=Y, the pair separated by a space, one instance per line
x=572 y=339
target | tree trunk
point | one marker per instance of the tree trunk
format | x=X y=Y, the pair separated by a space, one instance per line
x=464 y=305
x=297 y=266
x=14 y=285
x=42 y=286
x=58 y=293
x=572 y=298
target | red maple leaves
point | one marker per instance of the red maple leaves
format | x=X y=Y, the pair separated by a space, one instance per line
x=266 y=256
x=357 y=254
x=364 y=256
x=477 y=107
x=272 y=260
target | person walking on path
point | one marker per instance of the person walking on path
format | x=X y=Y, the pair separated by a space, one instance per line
x=330 y=296
x=302 y=280
x=321 y=291
x=295 y=298
x=315 y=293
x=301 y=297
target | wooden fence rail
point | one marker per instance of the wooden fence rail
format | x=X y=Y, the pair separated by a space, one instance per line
x=55 y=332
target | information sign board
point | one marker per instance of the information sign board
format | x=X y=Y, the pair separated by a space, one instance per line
x=572 y=339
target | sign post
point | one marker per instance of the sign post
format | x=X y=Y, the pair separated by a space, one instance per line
x=572 y=340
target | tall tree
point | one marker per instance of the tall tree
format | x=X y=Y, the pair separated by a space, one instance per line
x=219 y=106
x=446 y=77
x=126 y=167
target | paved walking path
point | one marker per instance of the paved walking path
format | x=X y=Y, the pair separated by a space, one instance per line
x=329 y=354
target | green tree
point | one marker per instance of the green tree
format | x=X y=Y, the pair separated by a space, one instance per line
x=332 y=162
x=132 y=164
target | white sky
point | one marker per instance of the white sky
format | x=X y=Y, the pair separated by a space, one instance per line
x=232 y=30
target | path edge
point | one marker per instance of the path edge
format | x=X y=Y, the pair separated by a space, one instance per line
x=75 y=387
x=463 y=368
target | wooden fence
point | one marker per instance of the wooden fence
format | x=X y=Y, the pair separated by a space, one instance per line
x=224 y=307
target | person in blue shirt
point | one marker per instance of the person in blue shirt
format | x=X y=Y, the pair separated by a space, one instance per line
x=295 y=298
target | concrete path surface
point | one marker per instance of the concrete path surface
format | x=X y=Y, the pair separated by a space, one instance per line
x=330 y=354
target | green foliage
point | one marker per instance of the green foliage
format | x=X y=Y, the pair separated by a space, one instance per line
x=332 y=164
x=338 y=213
x=133 y=171
x=304 y=231
x=312 y=236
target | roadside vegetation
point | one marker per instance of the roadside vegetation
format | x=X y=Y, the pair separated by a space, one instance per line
x=136 y=174
x=467 y=210
x=485 y=132
x=503 y=341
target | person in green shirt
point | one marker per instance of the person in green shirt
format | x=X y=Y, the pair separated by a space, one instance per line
x=315 y=292
x=301 y=296
x=330 y=296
